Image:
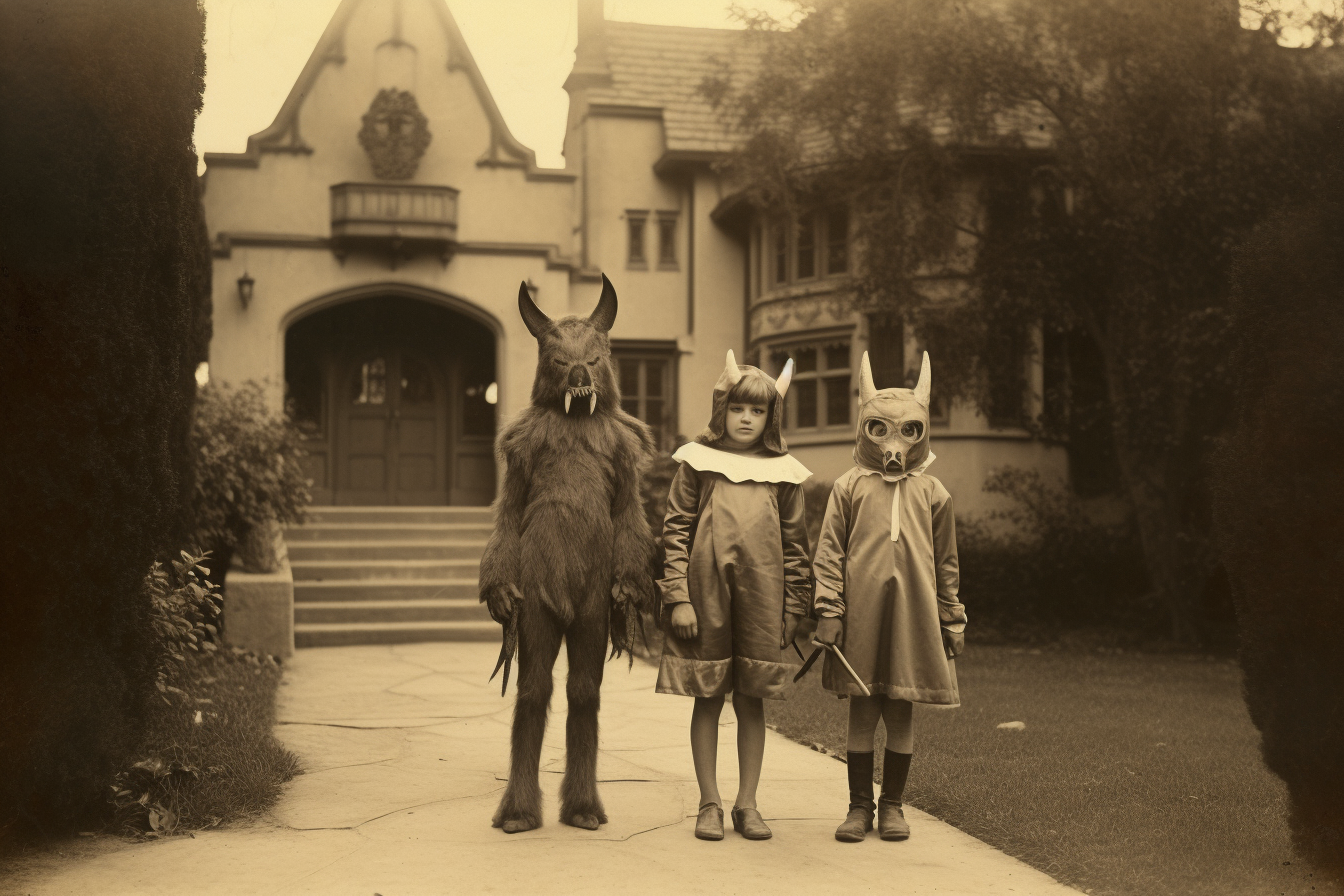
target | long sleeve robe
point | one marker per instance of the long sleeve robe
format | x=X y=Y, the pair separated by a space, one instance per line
x=735 y=542
x=897 y=596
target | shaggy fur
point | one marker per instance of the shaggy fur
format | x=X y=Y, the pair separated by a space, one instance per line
x=569 y=556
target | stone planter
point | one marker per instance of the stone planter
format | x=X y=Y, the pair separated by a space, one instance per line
x=259 y=609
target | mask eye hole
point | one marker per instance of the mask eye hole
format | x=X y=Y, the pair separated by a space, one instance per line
x=912 y=429
x=877 y=429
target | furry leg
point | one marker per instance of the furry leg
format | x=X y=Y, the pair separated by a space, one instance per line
x=538 y=645
x=585 y=644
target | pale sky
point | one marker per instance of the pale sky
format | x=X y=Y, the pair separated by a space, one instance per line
x=255 y=50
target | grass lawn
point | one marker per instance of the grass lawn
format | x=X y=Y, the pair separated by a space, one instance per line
x=228 y=766
x=1136 y=774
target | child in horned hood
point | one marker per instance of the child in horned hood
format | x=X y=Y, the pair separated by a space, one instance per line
x=887 y=580
x=736 y=580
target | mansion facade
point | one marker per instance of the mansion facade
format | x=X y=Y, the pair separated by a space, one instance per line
x=368 y=247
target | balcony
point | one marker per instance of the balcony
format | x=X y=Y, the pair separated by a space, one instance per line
x=398 y=221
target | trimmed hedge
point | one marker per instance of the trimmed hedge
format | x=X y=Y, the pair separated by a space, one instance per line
x=103 y=271
x=1279 y=506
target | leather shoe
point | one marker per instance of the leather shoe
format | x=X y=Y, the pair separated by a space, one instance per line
x=857 y=823
x=891 y=824
x=750 y=824
x=709 y=826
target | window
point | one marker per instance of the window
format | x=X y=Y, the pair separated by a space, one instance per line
x=821 y=395
x=807 y=247
x=667 y=240
x=646 y=372
x=837 y=240
x=635 y=222
x=817 y=245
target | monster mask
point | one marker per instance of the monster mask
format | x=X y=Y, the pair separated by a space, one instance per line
x=893 y=434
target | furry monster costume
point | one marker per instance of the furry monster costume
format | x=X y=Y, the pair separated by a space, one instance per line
x=887 y=555
x=569 y=556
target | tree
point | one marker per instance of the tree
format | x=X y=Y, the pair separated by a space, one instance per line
x=1085 y=165
x=1279 y=508
x=103 y=267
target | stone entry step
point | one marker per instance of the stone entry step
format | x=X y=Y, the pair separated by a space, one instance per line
x=389 y=575
x=336 y=634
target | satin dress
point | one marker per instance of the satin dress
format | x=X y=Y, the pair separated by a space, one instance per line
x=735 y=539
x=896 y=596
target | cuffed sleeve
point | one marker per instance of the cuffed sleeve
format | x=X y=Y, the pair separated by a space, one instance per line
x=683 y=504
x=793 y=533
x=951 y=612
x=829 y=565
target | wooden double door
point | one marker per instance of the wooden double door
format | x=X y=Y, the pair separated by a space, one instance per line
x=396 y=411
x=393 y=447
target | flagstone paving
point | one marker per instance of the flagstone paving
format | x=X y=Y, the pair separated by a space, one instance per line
x=405 y=749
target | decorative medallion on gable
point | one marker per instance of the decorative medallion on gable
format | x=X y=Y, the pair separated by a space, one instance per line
x=395 y=134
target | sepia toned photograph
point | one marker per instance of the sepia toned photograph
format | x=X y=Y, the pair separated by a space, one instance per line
x=672 y=446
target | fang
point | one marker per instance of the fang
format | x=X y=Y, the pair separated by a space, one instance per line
x=592 y=403
x=568 y=396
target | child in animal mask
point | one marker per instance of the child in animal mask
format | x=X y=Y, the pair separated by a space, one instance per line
x=736 y=580
x=887 y=580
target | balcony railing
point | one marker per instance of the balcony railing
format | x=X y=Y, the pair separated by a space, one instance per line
x=399 y=220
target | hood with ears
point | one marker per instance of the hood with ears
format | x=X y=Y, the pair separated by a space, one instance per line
x=772 y=440
x=893 y=432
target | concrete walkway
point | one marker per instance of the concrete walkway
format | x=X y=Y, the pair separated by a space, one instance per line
x=406 y=751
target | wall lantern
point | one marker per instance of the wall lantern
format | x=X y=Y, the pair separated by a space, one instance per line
x=245 y=284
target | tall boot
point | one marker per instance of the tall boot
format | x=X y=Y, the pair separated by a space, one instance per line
x=891 y=824
x=859 y=821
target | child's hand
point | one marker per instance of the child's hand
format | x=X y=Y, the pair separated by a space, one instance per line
x=683 y=622
x=830 y=630
x=954 y=643
x=790 y=630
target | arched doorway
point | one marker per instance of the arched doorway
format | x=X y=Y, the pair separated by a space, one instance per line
x=396 y=397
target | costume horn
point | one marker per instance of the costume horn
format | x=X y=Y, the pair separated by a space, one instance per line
x=785 y=377
x=604 y=315
x=536 y=319
x=925 y=384
x=731 y=373
x=867 y=391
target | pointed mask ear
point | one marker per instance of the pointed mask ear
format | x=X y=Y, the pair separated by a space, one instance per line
x=604 y=315
x=536 y=319
x=925 y=384
x=731 y=373
x=785 y=378
x=866 y=388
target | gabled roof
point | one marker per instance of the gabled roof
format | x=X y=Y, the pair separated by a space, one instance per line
x=283 y=134
x=662 y=67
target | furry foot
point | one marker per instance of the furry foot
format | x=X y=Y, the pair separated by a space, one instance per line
x=514 y=824
x=586 y=820
x=513 y=818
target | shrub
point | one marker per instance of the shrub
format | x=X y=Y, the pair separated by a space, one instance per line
x=1279 y=510
x=181 y=603
x=1043 y=566
x=103 y=271
x=248 y=475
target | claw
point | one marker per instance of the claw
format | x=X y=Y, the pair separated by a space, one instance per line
x=506 y=652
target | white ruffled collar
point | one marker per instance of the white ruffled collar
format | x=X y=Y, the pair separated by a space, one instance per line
x=742 y=467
